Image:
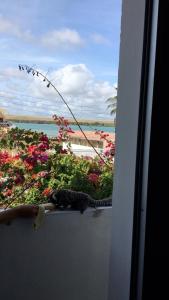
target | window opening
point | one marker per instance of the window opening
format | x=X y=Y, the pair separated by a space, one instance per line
x=69 y=60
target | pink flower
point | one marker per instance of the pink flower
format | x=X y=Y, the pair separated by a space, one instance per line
x=101 y=162
x=110 y=150
x=106 y=152
x=43 y=158
x=69 y=130
x=42 y=174
x=43 y=146
x=93 y=177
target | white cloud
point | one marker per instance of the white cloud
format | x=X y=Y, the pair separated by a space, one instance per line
x=99 y=39
x=64 y=38
x=9 y=27
x=85 y=95
x=11 y=73
x=72 y=79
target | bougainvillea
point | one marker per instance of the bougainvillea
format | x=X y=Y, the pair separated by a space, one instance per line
x=32 y=165
x=109 y=145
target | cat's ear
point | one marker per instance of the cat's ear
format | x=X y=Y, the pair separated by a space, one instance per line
x=52 y=197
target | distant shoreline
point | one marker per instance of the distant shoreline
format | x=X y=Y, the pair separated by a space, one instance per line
x=46 y=120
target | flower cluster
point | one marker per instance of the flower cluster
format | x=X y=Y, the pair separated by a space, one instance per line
x=32 y=165
x=18 y=167
x=63 y=133
x=4 y=157
x=36 y=155
x=94 y=178
x=109 y=150
x=64 y=128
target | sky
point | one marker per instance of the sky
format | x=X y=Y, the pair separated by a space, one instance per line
x=76 y=43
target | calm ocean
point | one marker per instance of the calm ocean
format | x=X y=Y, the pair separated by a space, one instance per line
x=51 y=129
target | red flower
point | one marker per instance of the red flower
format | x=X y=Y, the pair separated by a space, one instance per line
x=43 y=146
x=63 y=151
x=31 y=149
x=44 y=138
x=19 y=179
x=46 y=192
x=34 y=176
x=37 y=184
x=4 y=157
x=16 y=157
x=30 y=162
x=7 y=193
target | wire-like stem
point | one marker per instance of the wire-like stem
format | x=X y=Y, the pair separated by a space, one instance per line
x=49 y=83
x=29 y=185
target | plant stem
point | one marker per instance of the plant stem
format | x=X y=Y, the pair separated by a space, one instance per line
x=34 y=71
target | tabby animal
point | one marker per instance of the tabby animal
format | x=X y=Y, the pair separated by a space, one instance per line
x=76 y=200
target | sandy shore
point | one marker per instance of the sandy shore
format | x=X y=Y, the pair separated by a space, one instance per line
x=49 y=120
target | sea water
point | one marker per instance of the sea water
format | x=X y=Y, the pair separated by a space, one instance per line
x=51 y=130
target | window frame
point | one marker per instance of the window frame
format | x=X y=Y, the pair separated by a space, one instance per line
x=133 y=130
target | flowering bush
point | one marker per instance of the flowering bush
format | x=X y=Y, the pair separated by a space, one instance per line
x=109 y=151
x=32 y=165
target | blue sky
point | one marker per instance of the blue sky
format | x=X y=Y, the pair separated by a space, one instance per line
x=77 y=41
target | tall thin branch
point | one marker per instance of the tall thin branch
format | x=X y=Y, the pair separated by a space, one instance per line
x=49 y=83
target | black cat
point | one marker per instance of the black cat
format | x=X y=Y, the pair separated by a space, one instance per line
x=76 y=200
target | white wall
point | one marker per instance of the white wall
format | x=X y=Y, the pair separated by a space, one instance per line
x=66 y=259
